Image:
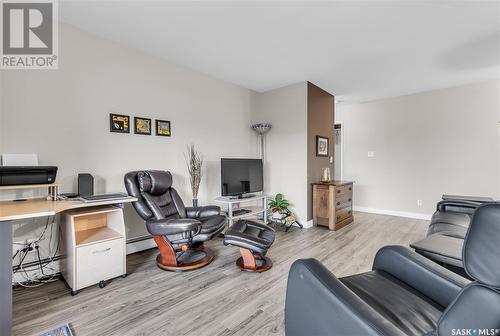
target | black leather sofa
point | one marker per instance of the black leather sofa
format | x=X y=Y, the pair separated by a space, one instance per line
x=405 y=293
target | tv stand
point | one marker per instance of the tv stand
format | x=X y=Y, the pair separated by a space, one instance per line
x=243 y=196
x=233 y=204
x=240 y=211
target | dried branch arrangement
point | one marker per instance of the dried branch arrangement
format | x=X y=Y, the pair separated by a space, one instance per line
x=194 y=162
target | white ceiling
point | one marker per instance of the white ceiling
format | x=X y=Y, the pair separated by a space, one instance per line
x=357 y=50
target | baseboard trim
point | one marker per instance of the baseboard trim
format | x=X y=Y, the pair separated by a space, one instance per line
x=135 y=245
x=140 y=245
x=395 y=213
x=21 y=277
x=308 y=224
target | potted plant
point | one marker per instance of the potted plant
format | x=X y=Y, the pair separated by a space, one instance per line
x=278 y=206
x=194 y=162
x=281 y=214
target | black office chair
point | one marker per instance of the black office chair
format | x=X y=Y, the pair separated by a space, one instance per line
x=405 y=293
x=179 y=232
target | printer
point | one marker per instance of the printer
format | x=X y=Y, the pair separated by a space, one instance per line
x=22 y=175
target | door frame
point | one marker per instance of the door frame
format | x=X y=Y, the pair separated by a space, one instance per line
x=342 y=137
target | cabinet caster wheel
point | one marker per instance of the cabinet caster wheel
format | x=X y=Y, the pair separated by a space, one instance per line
x=124 y=275
x=102 y=284
x=73 y=293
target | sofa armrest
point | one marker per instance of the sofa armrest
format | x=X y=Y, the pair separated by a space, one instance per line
x=317 y=303
x=202 y=212
x=460 y=206
x=165 y=227
x=429 y=278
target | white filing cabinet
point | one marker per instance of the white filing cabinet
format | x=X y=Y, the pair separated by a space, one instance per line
x=94 y=247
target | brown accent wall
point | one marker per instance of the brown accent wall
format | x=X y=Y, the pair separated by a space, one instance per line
x=320 y=121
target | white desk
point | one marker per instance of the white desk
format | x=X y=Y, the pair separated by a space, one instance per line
x=254 y=210
x=53 y=188
x=16 y=210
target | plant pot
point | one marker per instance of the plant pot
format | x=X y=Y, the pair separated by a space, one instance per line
x=195 y=202
x=278 y=215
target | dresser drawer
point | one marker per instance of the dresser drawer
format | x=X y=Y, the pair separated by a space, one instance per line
x=343 y=201
x=344 y=190
x=99 y=261
x=343 y=214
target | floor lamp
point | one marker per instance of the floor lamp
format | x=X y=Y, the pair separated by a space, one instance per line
x=262 y=129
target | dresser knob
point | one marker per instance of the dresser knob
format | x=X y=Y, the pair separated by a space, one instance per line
x=349 y=200
x=338 y=203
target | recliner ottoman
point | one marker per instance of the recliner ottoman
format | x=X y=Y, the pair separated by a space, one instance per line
x=254 y=239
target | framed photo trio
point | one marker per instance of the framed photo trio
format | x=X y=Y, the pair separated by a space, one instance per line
x=120 y=123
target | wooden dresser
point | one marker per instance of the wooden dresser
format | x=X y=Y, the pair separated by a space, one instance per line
x=332 y=204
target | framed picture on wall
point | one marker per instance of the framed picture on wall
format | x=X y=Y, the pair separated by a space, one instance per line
x=163 y=128
x=142 y=126
x=119 y=123
x=321 y=146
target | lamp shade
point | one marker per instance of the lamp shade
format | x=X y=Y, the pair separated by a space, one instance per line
x=262 y=128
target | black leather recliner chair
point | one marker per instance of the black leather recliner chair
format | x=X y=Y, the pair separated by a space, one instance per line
x=405 y=293
x=447 y=230
x=452 y=217
x=179 y=232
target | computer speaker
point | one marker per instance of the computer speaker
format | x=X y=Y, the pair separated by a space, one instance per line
x=85 y=185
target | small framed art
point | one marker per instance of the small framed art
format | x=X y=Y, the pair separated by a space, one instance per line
x=142 y=126
x=119 y=123
x=163 y=128
x=321 y=146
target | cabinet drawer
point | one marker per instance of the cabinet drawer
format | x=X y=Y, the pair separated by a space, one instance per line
x=344 y=190
x=100 y=261
x=343 y=214
x=343 y=201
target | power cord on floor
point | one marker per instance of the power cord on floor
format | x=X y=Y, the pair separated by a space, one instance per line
x=42 y=264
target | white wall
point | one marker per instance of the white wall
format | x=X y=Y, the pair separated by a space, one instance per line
x=286 y=143
x=63 y=115
x=425 y=144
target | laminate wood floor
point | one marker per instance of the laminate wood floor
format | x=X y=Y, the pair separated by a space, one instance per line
x=216 y=300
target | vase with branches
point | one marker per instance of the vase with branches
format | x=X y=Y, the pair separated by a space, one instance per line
x=194 y=162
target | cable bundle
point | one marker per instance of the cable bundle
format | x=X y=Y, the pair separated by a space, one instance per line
x=42 y=264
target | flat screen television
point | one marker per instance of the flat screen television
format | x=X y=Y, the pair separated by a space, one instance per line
x=241 y=176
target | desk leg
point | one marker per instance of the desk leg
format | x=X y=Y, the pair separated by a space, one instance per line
x=6 y=278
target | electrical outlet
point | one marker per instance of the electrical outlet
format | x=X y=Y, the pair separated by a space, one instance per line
x=371 y=154
x=419 y=203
